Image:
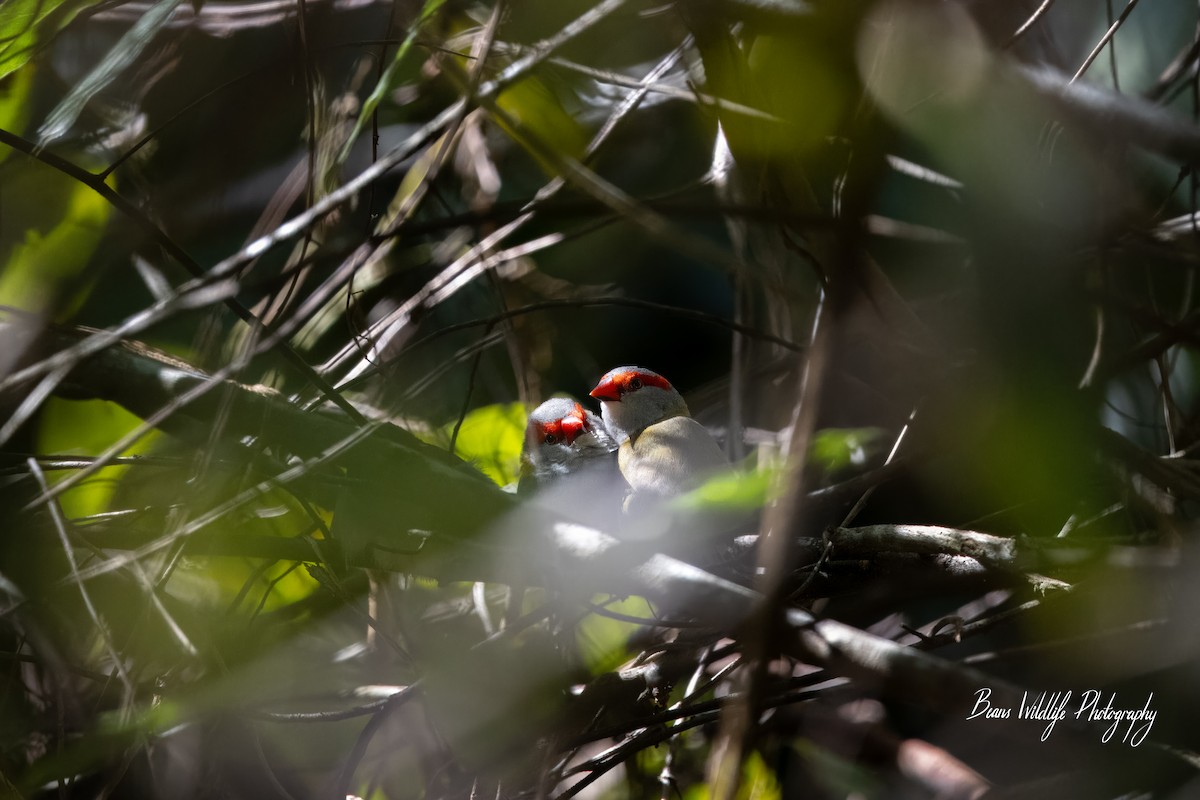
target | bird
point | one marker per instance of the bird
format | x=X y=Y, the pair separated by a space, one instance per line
x=564 y=440
x=661 y=451
x=569 y=470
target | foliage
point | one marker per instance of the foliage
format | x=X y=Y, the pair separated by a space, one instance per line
x=280 y=282
x=24 y=24
x=491 y=438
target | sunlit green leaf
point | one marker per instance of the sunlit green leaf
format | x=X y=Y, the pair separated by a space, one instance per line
x=87 y=428
x=732 y=491
x=156 y=718
x=491 y=437
x=603 y=640
x=758 y=783
x=14 y=103
x=52 y=225
x=26 y=23
x=219 y=581
x=837 y=448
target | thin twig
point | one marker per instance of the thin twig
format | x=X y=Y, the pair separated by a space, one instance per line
x=1104 y=40
x=101 y=627
x=1029 y=23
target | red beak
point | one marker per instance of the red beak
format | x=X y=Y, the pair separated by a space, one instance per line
x=572 y=427
x=607 y=389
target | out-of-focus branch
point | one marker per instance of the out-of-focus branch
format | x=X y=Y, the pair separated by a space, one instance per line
x=1116 y=116
x=225 y=19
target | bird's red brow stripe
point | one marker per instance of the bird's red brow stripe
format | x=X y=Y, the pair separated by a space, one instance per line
x=650 y=380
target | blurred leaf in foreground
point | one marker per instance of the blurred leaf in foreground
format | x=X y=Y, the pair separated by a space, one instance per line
x=111 y=67
x=88 y=428
x=835 y=449
x=732 y=491
x=758 y=783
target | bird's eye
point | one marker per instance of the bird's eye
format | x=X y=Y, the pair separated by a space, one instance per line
x=551 y=439
x=635 y=384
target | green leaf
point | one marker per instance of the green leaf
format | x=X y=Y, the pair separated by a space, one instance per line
x=26 y=23
x=759 y=782
x=538 y=113
x=211 y=583
x=123 y=54
x=732 y=491
x=837 y=448
x=491 y=437
x=603 y=641
x=802 y=86
x=113 y=733
x=15 y=103
x=390 y=79
x=52 y=226
x=87 y=428
x=747 y=489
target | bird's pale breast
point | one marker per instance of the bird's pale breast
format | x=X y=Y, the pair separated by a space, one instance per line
x=670 y=457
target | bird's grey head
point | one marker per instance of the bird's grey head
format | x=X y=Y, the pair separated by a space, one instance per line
x=633 y=397
x=562 y=435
